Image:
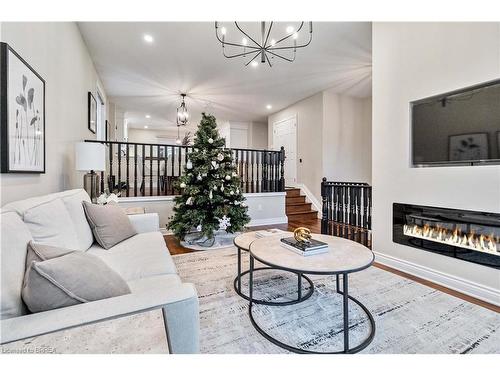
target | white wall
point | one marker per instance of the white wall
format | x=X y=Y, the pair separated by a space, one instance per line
x=333 y=139
x=309 y=114
x=412 y=61
x=57 y=52
x=263 y=208
x=347 y=138
x=248 y=134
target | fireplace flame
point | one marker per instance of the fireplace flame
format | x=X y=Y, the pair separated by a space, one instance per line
x=471 y=240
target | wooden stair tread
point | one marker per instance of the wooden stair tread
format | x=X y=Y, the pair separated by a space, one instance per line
x=303 y=212
x=297 y=203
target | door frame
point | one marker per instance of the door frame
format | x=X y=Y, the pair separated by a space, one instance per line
x=288 y=118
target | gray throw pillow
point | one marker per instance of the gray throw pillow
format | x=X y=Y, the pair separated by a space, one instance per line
x=109 y=223
x=68 y=280
x=39 y=252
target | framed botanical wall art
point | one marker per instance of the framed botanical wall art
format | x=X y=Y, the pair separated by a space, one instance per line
x=466 y=147
x=92 y=113
x=22 y=114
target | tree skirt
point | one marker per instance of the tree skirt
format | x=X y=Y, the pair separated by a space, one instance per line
x=221 y=240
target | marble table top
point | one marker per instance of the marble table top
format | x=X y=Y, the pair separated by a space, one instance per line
x=343 y=255
x=244 y=240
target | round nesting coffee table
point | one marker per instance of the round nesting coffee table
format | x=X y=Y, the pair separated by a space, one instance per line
x=344 y=257
x=242 y=243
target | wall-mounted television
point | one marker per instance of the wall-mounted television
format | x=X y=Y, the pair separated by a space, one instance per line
x=460 y=127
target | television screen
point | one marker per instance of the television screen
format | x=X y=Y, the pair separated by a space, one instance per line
x=459 y=127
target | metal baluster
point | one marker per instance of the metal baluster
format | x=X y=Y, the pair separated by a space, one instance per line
x=252 y=160
x=282 y=171
x=165 y=177
x=128 y=172
x=158 y=177
x=324 y=207
x=246 y=173
x=135 y=170
x=119 y=184
x=172 y=172
x=143 y=182
x=150 y=170
x=257 y=177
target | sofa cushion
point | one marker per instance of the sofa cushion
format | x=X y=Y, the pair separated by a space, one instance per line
x=14 y=238
x=67 y=225
x=70 y=279
x=73 y=203
x=38 y=253
x=142 y=255
x=50 y=224
x=109 y=224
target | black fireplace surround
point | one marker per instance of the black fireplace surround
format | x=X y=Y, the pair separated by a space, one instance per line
x=467 y=235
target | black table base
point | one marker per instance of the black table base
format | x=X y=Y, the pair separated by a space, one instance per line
x=344 y=292
x=300 y=297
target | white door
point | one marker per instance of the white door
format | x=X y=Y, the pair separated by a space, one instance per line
x=285 y=134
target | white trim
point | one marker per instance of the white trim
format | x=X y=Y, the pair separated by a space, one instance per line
x=268 y=221
x=171 y=197
x=311 y=198
x=482 y=292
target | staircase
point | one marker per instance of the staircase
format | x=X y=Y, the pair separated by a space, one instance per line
x=296 y=207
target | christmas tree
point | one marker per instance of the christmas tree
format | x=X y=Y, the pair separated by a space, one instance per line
x=211 y=196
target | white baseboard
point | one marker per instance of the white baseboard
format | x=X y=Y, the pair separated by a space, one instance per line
x=311 y=198
x=268 y=221
x=464 y=286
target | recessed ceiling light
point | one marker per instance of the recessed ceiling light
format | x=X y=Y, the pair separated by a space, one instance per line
x=145 y=126
x=269 y=106
x=254 y=64
x=289 y=29
x=148 y=38
x=148 y=116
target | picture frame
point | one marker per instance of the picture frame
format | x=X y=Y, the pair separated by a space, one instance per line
x=22 y=115
x=92 y=113
x=468 y=147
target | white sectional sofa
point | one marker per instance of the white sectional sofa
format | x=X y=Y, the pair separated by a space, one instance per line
x=142 y=260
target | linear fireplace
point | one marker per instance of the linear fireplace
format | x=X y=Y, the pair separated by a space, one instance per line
x=468 y=235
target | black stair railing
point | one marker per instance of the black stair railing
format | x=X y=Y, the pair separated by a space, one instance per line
x=347 y=210
x=146 y=169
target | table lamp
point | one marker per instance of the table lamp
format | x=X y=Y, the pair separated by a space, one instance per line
x=91 y=157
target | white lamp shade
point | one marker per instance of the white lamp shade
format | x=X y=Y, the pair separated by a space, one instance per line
x=90 y=156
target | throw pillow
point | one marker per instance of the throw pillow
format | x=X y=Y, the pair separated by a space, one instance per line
x=39 y=252
x=109 y=224
x=68 y=280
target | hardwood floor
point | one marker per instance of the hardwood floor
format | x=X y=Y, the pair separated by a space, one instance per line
x=315 y=226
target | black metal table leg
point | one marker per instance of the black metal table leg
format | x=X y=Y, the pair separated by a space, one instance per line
x=299 y=286
x=345 y=282
x=250 y=284
x=239 y=269
x=337 y=281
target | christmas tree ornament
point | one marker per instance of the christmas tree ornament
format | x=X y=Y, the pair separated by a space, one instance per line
x=189 y=164
x=234 y=174
x=228 y=177
x=204 y=174
x=199 y=178
x=210 y=140
x=214 y=164
x=210 y=194
x=243 y=204
x=189 y=201
x=214 y=188
x=236 y=203
x=220 y=157
x=231 y=192
x=224 y=223
x=222 y=187
x=182 y=185
x=237 y=191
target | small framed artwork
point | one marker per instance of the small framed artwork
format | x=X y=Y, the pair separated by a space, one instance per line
x=22 y=114
x=92 y=115
x=466 y=147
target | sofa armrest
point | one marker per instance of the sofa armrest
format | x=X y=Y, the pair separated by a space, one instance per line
x=145 y=222
x=31 y=325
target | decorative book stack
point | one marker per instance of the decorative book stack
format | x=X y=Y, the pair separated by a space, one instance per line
x=312 y=247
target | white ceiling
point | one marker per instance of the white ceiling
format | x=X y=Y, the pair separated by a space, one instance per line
x=186 y=57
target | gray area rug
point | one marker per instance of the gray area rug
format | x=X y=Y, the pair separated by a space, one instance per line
x=410 y=317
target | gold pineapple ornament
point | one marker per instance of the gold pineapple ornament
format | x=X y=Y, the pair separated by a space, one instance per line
x=302 y=234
